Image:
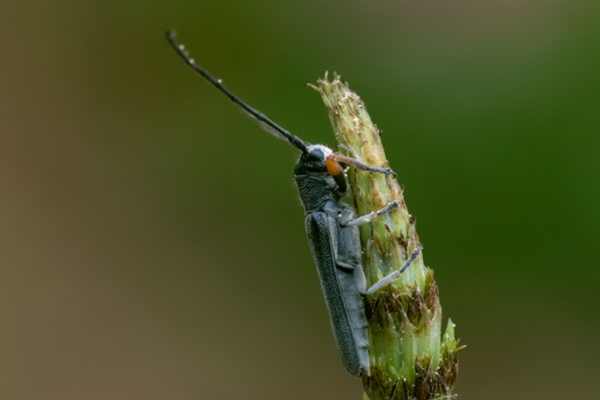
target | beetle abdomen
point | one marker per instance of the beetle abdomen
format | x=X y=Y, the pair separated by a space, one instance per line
x=319 y=238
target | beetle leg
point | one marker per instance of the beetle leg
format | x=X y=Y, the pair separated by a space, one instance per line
x=361 y=279
x=365 y=219
x=356 y=163
x=393 y=394
x=348 y=150
x=392 y=276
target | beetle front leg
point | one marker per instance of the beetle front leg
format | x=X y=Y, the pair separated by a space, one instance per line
x=356 y=163
x=392 y=276
x=365 y=219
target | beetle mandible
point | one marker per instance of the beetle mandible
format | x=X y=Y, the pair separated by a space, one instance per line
x=331 y=228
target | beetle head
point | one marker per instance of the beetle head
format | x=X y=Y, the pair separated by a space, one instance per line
x=321 y=160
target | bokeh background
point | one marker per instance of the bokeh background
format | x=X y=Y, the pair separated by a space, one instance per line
x=151 y=239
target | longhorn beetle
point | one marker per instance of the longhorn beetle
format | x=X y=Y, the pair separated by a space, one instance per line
x=331 y=228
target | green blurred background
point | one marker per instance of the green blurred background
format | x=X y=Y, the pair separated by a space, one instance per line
x=152 y=241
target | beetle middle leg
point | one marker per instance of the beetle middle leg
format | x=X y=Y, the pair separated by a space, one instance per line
x=365 y=219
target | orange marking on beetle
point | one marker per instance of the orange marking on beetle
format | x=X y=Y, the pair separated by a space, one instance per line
x=334 y=168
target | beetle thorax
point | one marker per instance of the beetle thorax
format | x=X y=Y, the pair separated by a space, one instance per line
x=316 y=190
x=315 y=185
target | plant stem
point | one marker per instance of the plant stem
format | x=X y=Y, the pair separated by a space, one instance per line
x=409 y=358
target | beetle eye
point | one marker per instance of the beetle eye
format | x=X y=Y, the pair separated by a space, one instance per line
x=317 y=154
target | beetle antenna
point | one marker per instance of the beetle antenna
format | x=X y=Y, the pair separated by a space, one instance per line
x=265 y=122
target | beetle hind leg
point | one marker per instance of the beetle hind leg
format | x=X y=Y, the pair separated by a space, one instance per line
x=392 y=276
x=361 y=279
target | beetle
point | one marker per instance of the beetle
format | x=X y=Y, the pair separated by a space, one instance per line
x=331 y=227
